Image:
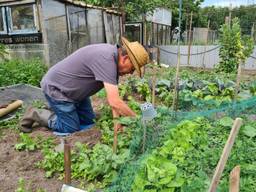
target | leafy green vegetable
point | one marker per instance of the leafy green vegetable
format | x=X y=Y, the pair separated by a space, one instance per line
x=27 y=143
x=226 y=121
x=249 y=131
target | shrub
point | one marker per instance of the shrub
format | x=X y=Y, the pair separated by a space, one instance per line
x=21 y=71
x=234 y=49
x=3 y=51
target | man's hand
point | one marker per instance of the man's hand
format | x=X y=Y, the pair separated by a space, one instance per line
x=119 y=107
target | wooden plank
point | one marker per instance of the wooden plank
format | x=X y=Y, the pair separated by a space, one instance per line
x=67 y=164
x=115 y=138
x=225 y=153
x=234 y=179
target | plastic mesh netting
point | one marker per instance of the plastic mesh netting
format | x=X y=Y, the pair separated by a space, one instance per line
x=180 y=148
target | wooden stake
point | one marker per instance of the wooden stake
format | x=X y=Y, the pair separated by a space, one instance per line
x=153 y=33
x=230 y=15
x=158 y=56
x=115 y=138
x=144 y=135
x=123 y=18
x=225 y=153
x=154 y=85
x=234 y=179
x=208 y=26
x=252 y=32
x=175 y=95
x=67 y=164
x=186 y=25
x=189 y=37
x=176 y=87
x=238 y=79
x=144 y=30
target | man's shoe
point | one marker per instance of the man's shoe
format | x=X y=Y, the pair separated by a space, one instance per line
x=33 y=115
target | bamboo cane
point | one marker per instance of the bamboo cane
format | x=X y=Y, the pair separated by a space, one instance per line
x=11 y=107
x=225 y=153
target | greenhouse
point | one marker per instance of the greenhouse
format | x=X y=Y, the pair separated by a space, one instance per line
x=34 y=28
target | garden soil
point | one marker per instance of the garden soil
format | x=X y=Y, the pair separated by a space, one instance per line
x=21 y=164
x=15 y=165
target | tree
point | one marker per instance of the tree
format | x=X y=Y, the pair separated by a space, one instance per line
x=135 y=8
x=217 y=15
x=235 y=49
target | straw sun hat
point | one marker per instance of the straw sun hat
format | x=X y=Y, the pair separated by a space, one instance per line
x=137 y=54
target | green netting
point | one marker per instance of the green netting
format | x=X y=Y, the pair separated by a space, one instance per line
x=165 y=124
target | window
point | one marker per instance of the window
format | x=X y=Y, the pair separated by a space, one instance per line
x=22 y=19
x=2 y=21
x=134 y=31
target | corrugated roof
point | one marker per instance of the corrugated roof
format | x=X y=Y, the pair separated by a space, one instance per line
x=73 y=2
x=83 y=4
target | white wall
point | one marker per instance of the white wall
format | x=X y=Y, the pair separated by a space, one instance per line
x=209 y=59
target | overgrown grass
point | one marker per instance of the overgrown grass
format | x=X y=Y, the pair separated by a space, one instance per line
x=21 y=71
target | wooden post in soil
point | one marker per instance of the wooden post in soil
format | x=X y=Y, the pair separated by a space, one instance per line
x=208 y=28
x=67 y=164
x=230 y=15
x=238 y=79
x=154 y=86
x=176 y=85
x=234 y=179
x=115 y=137
x=154 y=77
x=225 y=153
x=252 y=32
x=122 y=18
x=144 y=40
x=144 y=135
x=189 y=37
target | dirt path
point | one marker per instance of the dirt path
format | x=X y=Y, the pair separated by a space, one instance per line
x=15 y=165
x=21 y=164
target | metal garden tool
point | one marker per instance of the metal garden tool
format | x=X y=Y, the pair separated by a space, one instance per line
x=67 y=171
x=148 y=114
x=60 y=147
x=67 y=188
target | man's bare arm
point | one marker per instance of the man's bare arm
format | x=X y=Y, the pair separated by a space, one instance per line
x=119 y=107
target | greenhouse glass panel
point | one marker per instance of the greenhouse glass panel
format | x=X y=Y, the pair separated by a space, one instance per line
x=56 y=29
x=116 y=26
x=134 y=31
x=109 y=29
x=22 y=19
x=95 y=26
x=2 y=21
x=78 y=27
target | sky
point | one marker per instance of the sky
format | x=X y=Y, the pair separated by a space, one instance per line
x=223 y=3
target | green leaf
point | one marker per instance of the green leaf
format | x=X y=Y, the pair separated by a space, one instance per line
x=226 y=122
x=249 y=131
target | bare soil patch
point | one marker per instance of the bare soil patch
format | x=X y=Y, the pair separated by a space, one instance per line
x=21 y=164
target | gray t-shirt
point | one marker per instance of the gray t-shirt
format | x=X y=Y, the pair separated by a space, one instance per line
x=82 y=73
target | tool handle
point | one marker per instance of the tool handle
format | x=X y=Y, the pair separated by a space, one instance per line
x=14 y=105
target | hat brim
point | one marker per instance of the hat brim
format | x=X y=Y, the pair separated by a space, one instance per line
x=131 y=56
